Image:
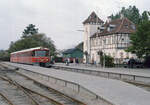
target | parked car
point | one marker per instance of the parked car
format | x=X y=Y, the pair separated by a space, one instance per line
x=136 y=64
x=125 y=61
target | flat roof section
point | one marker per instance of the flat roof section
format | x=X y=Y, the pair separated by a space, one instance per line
x=114 y=91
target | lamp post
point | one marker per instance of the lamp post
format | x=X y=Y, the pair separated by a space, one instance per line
x=103 y=53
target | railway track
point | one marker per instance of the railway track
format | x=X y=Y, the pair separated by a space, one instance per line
x=4 y=100
x=13 y=94
x=30 y=90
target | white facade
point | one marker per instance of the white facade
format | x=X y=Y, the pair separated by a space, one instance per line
x=113 y=41
x=89 y=30
x=112 y=45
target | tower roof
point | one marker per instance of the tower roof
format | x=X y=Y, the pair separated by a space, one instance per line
x=93 y=18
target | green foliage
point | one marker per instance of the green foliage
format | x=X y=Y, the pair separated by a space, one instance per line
x=4 y=55
x=33 y=41
x=30 y=30
x=30 y=39
x=145 y=16
x=109 y=61
x=140 y=40
x=132 y=13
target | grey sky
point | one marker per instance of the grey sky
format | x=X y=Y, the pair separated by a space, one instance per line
x=58 y=19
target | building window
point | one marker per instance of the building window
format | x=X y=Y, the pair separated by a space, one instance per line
x=126 y=26
x=133 y=27
x=113 y=55
x=86 y=30
x=121 y=55
x=100 y=41
x=109 y=40
x=127 y=56
x=96 y=41
x=104 y=41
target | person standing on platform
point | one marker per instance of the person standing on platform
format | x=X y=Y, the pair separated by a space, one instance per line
x=77 y=61
x=131 y=62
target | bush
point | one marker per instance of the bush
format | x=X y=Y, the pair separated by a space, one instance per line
x=147 y=62
x=4 y=58
x=109 y=61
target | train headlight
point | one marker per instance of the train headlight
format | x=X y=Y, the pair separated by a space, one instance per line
x=47 y=59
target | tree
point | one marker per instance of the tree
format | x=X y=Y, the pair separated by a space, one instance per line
x=31 y=41
x=31 y=38
x=4 y=55
x=30 y=30
x=145 y=16
x=132 y=13
x=100 y=53
x=140 y=40
x=108 y=60
x=148 y=13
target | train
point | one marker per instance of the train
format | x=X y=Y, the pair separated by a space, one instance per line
x=33 y=56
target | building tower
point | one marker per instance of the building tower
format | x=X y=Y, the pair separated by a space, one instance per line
x=91 y=25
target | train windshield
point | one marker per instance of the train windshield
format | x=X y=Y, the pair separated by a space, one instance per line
x=41 y=53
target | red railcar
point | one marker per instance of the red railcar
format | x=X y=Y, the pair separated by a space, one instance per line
x=35 y=56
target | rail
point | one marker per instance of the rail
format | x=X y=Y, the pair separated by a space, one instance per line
x=6 y=99
x=69 y=84
x=25 y=88
x=81 y=103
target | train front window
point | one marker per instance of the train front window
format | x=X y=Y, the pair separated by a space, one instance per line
x=41 y=53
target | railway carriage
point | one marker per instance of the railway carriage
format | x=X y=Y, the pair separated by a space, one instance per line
x=34 y=56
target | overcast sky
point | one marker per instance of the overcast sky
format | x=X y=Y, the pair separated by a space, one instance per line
x=58 y=19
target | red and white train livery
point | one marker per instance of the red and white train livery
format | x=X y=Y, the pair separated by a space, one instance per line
x=35 y=56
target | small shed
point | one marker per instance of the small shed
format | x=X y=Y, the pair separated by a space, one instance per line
x=73 y=54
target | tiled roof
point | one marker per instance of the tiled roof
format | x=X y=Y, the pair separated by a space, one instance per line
x=123 y=25
x=93 y=18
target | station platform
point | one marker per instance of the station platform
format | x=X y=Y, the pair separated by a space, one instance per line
x=130 y=71
x=114 y=91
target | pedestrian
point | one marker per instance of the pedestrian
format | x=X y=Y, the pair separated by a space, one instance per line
x=67 y=61
x=131 y=62
x=92 y=61
x=77 y=61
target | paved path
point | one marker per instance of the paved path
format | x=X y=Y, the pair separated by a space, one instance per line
x=138 y=72
x=114 y=91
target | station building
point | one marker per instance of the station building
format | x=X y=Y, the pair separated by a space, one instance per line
x=110 y=37
x=73 y=54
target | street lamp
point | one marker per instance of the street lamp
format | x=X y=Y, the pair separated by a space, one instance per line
x=104 y=41
x=86 y=55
